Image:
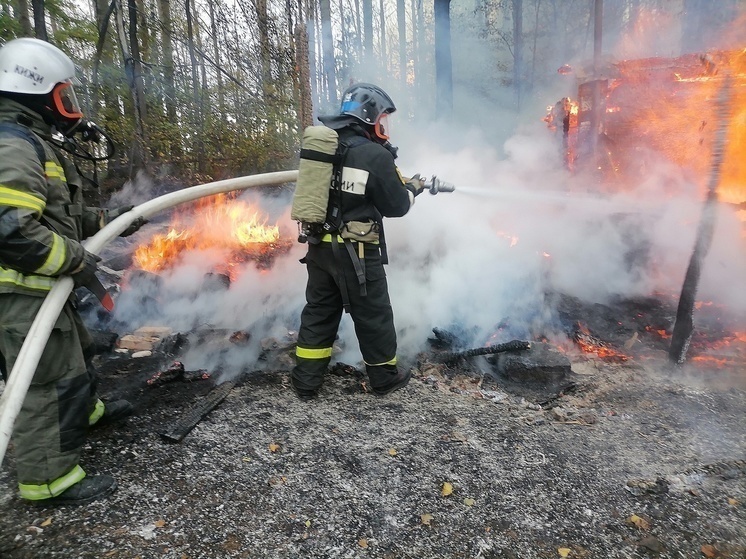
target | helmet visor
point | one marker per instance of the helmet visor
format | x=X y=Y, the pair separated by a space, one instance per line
x=66 y=102
x=383 y=127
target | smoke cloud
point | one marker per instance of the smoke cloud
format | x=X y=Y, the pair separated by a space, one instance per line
x=483 y=258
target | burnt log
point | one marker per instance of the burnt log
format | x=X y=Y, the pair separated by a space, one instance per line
x=542 y=365
x=515 y=345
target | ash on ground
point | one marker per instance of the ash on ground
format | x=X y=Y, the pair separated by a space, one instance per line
x=631 y=459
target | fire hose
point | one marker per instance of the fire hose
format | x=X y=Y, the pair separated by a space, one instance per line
x=25 y=365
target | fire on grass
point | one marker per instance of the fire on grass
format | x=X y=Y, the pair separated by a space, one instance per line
x=222 y=222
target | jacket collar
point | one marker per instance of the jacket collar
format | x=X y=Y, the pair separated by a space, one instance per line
x=13 y=111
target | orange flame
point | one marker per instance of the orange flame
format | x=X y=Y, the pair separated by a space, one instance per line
x=668 y=105
x=588 y=343
x=220 y=222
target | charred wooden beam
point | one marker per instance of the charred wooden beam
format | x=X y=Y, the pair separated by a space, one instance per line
x=182 y=426
x=514 y=345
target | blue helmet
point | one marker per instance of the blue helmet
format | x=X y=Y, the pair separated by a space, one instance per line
x=369 y=104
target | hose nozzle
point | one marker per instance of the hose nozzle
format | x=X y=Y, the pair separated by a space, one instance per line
x=436 y=185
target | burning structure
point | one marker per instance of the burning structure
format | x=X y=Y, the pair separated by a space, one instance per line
x=652 y=108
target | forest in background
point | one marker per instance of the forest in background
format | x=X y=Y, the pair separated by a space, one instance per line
x=212 y=89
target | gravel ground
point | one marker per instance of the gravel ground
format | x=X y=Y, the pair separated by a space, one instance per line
x=451 y=466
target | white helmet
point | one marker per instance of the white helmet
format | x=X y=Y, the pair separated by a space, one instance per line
x=33 y=66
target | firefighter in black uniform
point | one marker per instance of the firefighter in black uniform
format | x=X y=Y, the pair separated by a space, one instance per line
x=345 y=263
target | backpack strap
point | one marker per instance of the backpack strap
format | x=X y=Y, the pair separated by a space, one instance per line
x=23 y=132
x=314 y=155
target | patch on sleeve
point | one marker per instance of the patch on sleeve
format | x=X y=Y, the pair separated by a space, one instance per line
x=354 y=180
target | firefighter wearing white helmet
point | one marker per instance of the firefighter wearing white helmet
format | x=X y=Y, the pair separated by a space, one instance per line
x=346 y=256
x=42 y=223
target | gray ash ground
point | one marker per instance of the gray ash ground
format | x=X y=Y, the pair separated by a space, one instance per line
x=352 y=475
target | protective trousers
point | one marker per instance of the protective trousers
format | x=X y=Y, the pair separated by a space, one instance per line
x=371 y=313
x=51 y=427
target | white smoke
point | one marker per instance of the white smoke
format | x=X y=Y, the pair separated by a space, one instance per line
x=519 y=225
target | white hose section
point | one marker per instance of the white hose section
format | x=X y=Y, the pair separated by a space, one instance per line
x=36 y=340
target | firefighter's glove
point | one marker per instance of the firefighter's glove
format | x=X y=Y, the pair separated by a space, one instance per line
x=86 y=270
x=415 y=185
x=107 y=216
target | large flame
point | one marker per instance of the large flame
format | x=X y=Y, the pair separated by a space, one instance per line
x=219 y=222
x=666 y=106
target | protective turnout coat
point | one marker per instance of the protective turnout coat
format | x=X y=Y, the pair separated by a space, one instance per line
x=42 y=217
x=42 y=221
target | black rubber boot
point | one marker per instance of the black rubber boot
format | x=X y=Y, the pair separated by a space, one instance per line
x=88 y=489
x=304 y=395
x=400 y=380
x=113 y=412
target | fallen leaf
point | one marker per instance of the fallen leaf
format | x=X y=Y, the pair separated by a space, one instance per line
x=160 y=523
x=638 y=521
x=709 y=551
x=469 y=502
x=459 y=437
x=426 y=519
x=363 y=543
x=446 y=489
x=112 y=552
x=274 y=447
x=308 y=523
x=47 y=522
x=731 y=501
x=246 y=459
x=392 y=452
x=564 y=551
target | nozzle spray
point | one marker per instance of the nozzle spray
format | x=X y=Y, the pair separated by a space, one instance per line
x=435 y=185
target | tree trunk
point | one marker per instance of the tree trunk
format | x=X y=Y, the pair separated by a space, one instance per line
x=216 y=54
x=358 y=33
x=140 y=160
x=384 y=56
x=23 y=18
x=443 y=70
x=517 y=50
x=415 y=43
x=167 y=49
x=305 y=108
x=40 y=20
x=368 y=56
x=401 y=23
x=197 y=107
x=262 y=18
x=312 y=65
x=327 y=44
